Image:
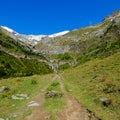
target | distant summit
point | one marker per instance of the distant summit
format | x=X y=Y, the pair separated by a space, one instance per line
x=30 y=39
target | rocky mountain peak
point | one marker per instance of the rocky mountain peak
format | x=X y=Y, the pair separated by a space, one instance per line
x=113 y=16
x=30 y=39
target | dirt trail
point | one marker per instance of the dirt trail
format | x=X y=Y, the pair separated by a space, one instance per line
x=38 y=112
x=74 y=109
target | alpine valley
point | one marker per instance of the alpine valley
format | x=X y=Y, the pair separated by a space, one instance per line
x=77 y=68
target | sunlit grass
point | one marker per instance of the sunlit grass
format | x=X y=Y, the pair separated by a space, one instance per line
x=54 y=104
x=20 y=85
x=94 y=80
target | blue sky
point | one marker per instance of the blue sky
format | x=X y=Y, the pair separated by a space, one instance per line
x=52 y=16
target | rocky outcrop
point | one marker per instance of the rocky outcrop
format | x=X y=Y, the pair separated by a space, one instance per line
x=113 y=16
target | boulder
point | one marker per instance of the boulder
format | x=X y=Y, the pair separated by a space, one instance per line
x=105 y=101
x=53 y=94
x=33 y=104
x=20 y=96
x=4 y=88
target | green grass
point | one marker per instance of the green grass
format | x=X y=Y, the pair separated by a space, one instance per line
x=65 y=56
x=98 y=78
x=54 y=86
x=20 y=85
x=54 y=105
x=64 y=66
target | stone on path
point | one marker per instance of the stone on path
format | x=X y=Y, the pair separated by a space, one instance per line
x=33 y=104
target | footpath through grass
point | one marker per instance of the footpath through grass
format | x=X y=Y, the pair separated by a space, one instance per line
x=17 y=109
x=97 y=85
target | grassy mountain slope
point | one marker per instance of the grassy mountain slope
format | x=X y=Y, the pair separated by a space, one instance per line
x=20 y=65
x=84 y=44
x=11 y=66
x=94 y=81
x=12 y=44
x=21 y=85
x=16 y=46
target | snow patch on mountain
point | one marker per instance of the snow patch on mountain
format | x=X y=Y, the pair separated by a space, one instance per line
x=58 y=34
x=30 y=39
x=9 y=30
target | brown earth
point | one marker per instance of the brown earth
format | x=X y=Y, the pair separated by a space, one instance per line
x=39 y=112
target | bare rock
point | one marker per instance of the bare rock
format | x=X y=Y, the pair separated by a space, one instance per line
x=33 y=104
x=20 y=96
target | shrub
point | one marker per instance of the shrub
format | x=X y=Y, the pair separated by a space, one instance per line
x=64 y=66
x=33 y=82
x=56 y=83
x=2 y=72
x=66 y=56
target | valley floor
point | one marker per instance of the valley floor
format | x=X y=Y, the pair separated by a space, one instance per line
x=87 y=92
x=72 y=111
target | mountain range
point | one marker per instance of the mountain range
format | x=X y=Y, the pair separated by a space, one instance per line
x=81 y=45
x=70 y=48
x=30 y=39
x=69 y=75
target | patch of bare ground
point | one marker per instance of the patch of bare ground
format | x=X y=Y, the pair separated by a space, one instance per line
x=39 y=112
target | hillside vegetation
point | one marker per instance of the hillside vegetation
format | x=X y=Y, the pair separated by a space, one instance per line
x=91 y=57
x=10 y=65
x=97 y=85
x=12 y=44
x=31 y=86
x=88 y=43
x=17 y=46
